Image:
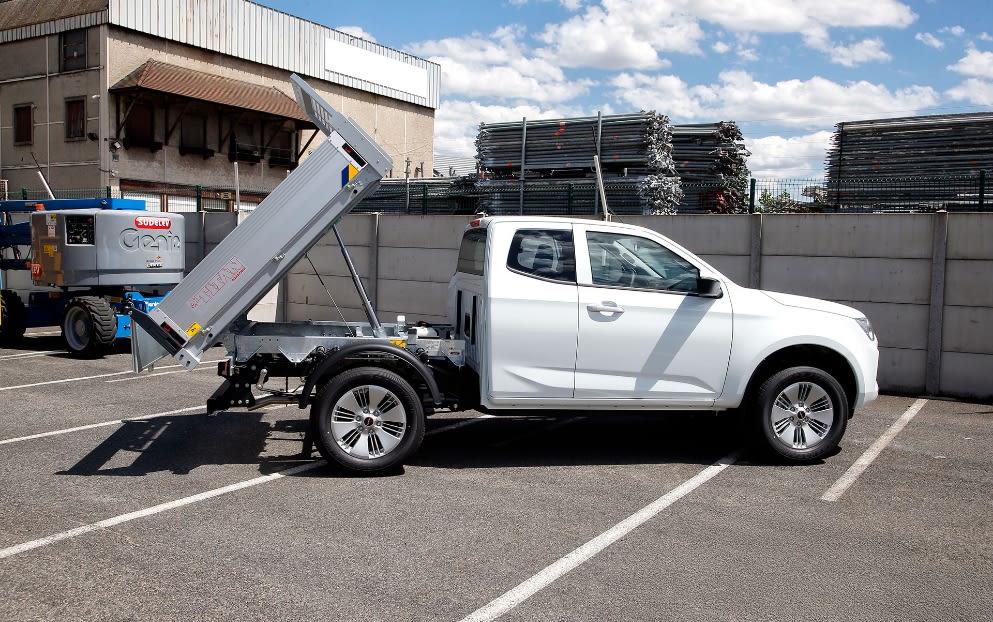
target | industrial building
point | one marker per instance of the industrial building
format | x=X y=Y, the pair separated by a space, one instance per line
x=159 y=96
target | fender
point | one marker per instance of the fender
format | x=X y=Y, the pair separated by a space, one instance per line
x=337 y=356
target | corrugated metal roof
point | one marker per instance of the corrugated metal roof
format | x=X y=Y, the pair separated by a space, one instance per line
x=20 y=13
x=165 y=78
x=242 y=29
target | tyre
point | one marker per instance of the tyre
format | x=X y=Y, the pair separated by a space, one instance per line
x=367 y=419
x=13 y=318
x=802 y=413
x=89 y=326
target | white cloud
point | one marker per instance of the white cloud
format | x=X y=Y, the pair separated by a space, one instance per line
x=974 y=63
x=622 y=33
x=865 y=51
x=776 y=157
x=720 y=47
x=356 y=31
x=572 y=5
x=739 y=97
x=499 y=65
x=957 y=31
x=631 y=34
x=975 y=91
x=985 y=36
x=929 y=40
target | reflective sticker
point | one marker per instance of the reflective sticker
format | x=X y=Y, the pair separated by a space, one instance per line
x=348 y=173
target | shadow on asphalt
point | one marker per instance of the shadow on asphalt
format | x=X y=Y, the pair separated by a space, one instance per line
x=180 y=444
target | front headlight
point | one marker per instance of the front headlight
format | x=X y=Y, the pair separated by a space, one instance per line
x=866 y=327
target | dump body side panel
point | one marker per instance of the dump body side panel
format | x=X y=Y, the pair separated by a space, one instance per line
x=253 y=257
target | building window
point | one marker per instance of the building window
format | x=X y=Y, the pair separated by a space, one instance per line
x=193 y=136
x=281 y=149
x=75 y=119
x=73 y=50
x=244 y=146
x=140 y=127
x=23 y=125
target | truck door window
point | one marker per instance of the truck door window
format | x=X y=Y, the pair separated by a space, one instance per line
x=622 y=260
x=546 y=254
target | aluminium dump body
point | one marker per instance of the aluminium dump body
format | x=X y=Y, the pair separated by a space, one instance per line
x=253 y=257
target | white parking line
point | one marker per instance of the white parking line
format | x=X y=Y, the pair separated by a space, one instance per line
x=64 y=380
x=26 y=355
x=162 y=507
x=47 y=382
x=584 y=553
x=845 y=481
x=156 y=509
x=165 y=373
x=102 y=424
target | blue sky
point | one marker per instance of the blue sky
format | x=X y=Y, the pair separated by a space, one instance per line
x=785 y=70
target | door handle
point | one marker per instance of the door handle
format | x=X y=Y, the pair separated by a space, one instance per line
x=606 y=307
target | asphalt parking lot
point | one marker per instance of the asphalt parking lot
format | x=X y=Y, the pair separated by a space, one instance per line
x=122 y=500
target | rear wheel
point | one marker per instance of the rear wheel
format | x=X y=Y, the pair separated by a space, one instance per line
x=13 y=318
x=89 y=326
x=802 y=413
x=367 y=419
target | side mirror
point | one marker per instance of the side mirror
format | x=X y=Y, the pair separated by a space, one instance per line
x=708 y=288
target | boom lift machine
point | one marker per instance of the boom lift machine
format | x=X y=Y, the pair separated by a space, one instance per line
x=93 y=258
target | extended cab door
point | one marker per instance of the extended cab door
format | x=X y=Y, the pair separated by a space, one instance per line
x=644 y=331
x=531 y=315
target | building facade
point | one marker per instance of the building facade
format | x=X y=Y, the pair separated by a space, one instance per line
x=163 y=95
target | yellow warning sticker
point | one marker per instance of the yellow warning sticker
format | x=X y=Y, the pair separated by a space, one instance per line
x=193 y=329
x=49 y=249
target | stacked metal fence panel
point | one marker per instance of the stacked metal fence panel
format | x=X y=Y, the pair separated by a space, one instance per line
x=553 y=156
x=711 y=161
x=909 y=163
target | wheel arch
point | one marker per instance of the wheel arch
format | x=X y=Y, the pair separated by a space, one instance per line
x=821 y=357
x=376 y=354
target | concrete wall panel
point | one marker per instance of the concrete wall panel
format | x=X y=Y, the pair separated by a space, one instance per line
x=969 y=282
x=849 y=278
x=967 y=376
x=897 y=325
x=710 y=235
x=968 y=330
x=970 y=236
x=415 y=299
x=422 y=231
x=848 y=235
x=902 y=371
x=735 y=267
x=428 y=264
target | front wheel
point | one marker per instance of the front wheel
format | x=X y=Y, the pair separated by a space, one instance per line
x=89 y=326
x=802 y=413
x=367 y=419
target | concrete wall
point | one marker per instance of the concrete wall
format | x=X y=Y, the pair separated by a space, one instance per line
x=924 y=280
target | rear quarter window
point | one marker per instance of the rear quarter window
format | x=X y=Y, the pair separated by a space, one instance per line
x=472 y=252
x=546 y=254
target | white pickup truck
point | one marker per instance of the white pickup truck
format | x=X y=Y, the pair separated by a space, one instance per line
x=545 y=314
x=564 y=314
